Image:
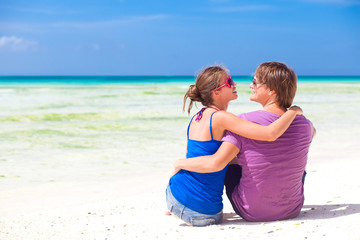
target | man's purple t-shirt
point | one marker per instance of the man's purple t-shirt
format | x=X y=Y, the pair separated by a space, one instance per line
x=271 y=186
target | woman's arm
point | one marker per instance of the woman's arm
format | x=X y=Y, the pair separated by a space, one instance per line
x=232 y=123
x=210 y=163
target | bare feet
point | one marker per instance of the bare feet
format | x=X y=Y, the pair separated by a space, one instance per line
x=167 y=213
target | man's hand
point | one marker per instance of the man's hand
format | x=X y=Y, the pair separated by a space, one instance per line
x=176 y=168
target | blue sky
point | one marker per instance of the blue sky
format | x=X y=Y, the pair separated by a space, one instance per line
x=177 y=37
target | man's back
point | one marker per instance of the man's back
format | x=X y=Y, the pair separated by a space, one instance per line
x=271 y=184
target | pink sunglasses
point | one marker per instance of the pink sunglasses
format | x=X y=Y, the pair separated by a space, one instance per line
x=229 y=83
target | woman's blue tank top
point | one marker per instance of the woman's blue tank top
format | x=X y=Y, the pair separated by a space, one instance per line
x=201 y=192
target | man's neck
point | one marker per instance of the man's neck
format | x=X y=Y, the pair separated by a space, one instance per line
x=273 y=107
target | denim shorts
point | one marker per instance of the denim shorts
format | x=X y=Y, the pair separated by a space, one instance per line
x=189 y=216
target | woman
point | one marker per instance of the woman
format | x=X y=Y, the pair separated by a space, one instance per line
x=196 y=198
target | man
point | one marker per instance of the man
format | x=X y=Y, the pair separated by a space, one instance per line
x=266 y=181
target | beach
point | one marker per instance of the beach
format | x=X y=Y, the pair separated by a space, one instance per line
x=80 y=161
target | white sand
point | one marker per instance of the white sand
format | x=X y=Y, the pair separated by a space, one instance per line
x=133 y=208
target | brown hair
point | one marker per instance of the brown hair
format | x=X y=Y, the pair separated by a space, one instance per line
x=206 y=81
x=280 y=78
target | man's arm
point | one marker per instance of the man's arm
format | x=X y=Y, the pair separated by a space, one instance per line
x=210 y=163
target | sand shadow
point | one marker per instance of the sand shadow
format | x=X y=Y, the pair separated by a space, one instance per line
x=233 y=218
x=328 y=211
x=307 y=212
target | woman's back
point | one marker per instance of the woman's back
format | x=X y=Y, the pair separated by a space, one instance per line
x=202 y=130
x=201 y=192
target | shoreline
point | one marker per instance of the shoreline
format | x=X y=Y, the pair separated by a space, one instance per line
x=93 y=81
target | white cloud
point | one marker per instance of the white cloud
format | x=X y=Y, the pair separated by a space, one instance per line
x=220 y=1
x=36 y=28
x=95 y=46
x=246 y=8
x=339 y=2
x=111 y=23
x=46 y=11
x=14 y=43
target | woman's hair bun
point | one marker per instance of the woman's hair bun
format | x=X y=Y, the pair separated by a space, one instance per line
x=194 y=93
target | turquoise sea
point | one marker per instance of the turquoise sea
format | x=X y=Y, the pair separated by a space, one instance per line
x=56 y=129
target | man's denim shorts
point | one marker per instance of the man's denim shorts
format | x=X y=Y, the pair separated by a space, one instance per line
x=189 y=216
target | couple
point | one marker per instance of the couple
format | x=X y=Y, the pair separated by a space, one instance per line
x=263 y=177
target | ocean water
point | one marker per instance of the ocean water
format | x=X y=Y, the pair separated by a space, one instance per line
x=70 y=129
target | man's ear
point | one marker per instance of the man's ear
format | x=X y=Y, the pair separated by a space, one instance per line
x=272 y=92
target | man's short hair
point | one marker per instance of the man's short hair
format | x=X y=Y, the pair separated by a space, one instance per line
x=279 y=78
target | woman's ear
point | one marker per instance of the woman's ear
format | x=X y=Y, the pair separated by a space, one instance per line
x=216 y=93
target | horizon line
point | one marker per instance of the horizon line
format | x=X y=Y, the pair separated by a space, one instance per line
x=167 y=76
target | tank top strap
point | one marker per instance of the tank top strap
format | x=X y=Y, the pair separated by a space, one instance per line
x=189 y=126
x=211 y=124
